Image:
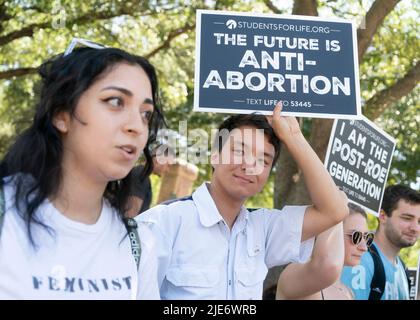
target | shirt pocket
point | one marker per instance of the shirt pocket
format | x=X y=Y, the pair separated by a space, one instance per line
x=194 y=281
x=250 y=282
x=251 y=272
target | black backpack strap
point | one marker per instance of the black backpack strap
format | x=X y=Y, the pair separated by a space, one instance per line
x=377 y=286
x=2 y=205
x=133 y=235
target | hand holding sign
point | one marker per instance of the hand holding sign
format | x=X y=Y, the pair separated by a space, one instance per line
x=286 y=128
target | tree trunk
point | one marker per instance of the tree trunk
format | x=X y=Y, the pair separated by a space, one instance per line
x=289 y=185
x=305 y=7
x=320 y=135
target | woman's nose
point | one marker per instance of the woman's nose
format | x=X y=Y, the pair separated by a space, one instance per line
x=135 y=124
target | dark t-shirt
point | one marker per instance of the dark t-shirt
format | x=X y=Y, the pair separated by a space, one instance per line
x=141 y=188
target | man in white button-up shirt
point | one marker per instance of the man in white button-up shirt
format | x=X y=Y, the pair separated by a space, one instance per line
x=211 y=247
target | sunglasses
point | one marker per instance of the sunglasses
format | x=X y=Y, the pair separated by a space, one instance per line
x=357 y=236
x=82 y=42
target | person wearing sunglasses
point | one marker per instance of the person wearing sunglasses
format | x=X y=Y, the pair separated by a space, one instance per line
x=381 y=274
x=65 y=182
x=319 y=278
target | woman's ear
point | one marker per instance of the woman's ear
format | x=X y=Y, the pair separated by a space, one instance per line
x=61 y=121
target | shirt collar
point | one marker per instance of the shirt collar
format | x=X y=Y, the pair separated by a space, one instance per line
x=207 y=211
x=242 y=219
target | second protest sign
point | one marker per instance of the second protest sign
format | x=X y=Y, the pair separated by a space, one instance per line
x=358 y=158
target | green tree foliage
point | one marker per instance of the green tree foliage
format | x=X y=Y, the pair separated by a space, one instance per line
x=402 y=121
x=32 y=31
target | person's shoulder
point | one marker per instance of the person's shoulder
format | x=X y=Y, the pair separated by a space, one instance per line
x=147 y=238
x=151 y=215
x=178 y=206
x=13 y=217
x=10 y=185
x=284 y=212
x=7 y=189
x=7 y=186
x=257 y=215
x=172 y=207
x=179 y=202
x=11 y=182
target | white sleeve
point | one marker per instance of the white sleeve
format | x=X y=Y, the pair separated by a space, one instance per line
x=283 y=236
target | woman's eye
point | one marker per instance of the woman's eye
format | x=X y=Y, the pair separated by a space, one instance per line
x=115 y=102
x=147 y=115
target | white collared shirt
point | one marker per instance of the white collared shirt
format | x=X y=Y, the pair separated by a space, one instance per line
x=201 y=258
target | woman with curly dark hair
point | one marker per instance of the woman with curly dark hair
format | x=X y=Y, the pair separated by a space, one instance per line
x=65 y=182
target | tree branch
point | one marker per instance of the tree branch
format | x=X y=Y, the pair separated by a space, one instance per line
x=25 y=32
x=374 y=18
x=305 y=7
x=17 y=72
x=380 y=101
x=272 y=7
x=172 y=35
x=29 y=30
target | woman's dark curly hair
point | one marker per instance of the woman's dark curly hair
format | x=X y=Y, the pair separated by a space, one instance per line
x=37 y=152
